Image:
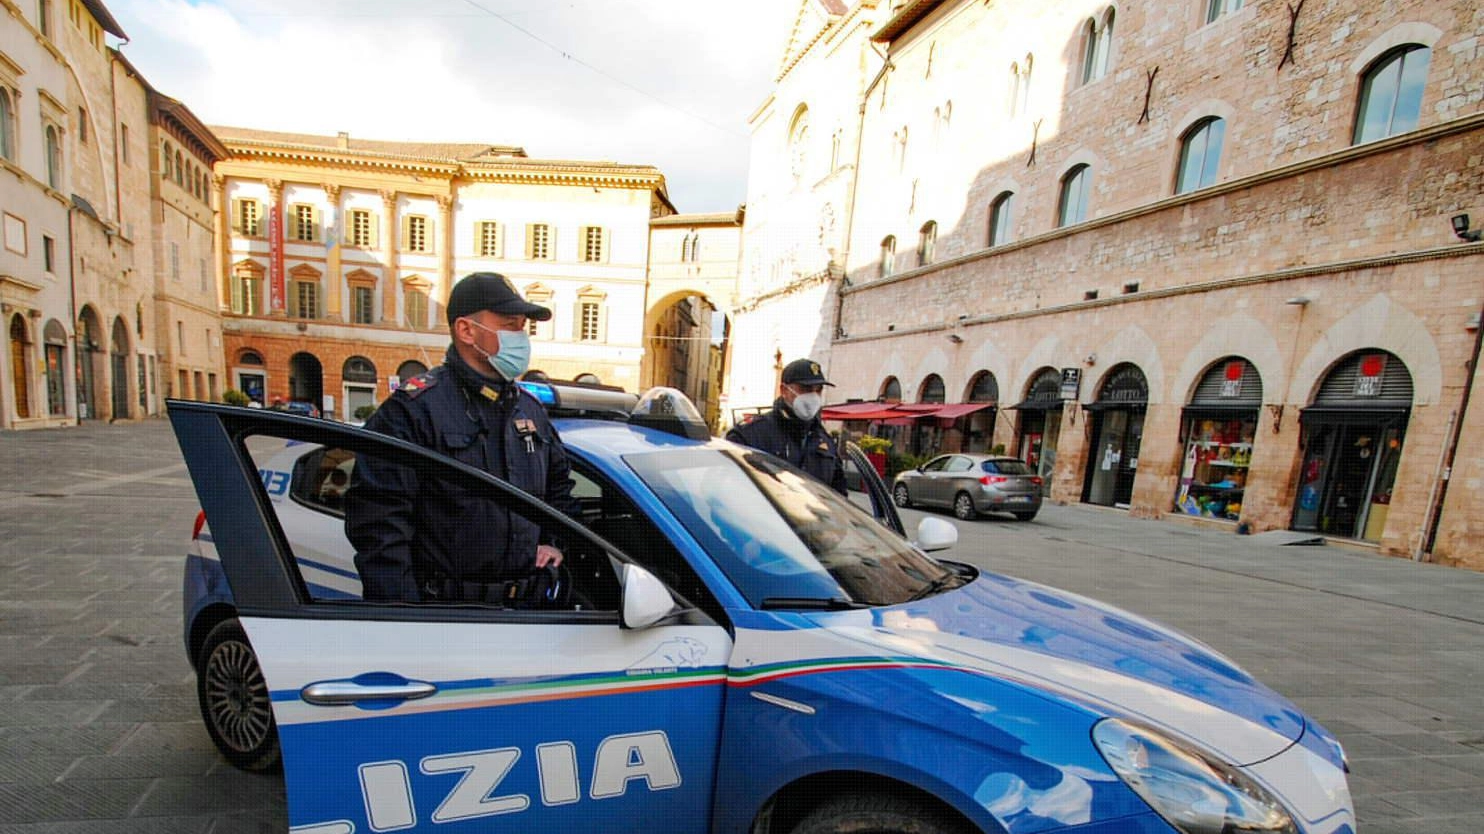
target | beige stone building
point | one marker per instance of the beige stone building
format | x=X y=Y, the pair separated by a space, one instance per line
x=693 y=260
x=91 y=227
x=340 y=253
x=1196 y=261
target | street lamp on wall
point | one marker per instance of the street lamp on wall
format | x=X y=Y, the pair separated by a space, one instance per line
x=1461 y=229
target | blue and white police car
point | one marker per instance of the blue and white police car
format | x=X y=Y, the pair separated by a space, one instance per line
x=743 y=650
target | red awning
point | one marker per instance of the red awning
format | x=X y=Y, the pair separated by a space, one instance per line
x=858 y=411
x=953 y=411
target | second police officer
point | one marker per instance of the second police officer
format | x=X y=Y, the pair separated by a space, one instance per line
x=792 y=430
x=418 y=541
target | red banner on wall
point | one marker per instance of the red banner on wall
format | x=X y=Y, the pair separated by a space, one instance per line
x=276 y=289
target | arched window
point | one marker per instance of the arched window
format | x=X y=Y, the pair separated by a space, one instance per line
x=1200 y=155
x=166 y=166
x=798 y=137
x=53 y=158
x=55 y=338
x=1097 y=42
x=891 y=390
x=250 y=357
x=359 y=369
x=888 y=255
x=1391 y=93
x=1074 y=187
x=932 y=390
x=999 y=218
x=7 y=125
x=927 y=243
x=985 y=388
x=179 y=169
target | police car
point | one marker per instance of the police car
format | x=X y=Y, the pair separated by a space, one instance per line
x=744 y=651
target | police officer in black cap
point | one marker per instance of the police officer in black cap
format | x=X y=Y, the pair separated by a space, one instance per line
x=437 y=541
x=792 y=430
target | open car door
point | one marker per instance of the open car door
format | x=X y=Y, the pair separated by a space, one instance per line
x=882 y=507
x=397 y=716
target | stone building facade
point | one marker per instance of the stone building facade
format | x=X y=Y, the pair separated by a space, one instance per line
x=1193 y=261
x=92 y=226
x=340 y=253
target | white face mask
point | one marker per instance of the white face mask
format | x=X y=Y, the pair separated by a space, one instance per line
x=807 y=405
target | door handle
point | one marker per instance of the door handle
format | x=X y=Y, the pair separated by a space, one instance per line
x=341 y=693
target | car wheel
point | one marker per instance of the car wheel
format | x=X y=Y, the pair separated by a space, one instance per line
x=234 y=699
x=1025 y=516
x=899 y=494
x=873 y=814
x=963 y=507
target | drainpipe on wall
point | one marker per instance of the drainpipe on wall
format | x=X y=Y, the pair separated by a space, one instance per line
x=1434 y=517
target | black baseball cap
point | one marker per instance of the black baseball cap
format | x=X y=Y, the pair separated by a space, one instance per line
x=804 y=372
x=490 y=291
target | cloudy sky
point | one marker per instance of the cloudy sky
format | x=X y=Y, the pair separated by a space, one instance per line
x=668 y=83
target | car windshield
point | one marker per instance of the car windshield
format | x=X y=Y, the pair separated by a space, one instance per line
x=1006 y=467
x=785 y=539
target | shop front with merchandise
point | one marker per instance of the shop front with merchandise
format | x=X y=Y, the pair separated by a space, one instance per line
x=1352 y=441
x=1218 y=429
x=1118 y=432
x=1040 y=424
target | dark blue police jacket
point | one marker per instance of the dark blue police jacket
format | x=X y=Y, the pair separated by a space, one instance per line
x=408 y=534
x=803 y=443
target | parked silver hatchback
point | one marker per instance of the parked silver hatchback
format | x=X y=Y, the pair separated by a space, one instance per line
x=970 y=485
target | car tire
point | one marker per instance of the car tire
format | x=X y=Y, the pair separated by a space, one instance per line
x=874 y=814
x=963 y=507
x=233 y=697
x=899 y=494
x=1025 y=516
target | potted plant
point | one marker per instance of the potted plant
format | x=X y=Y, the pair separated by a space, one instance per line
x=875 y=449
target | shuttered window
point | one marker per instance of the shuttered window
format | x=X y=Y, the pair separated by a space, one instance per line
x=538 y=242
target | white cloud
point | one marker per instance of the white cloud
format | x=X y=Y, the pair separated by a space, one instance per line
x=673 y=83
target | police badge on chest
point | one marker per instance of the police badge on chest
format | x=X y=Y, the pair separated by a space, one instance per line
x=527 y=431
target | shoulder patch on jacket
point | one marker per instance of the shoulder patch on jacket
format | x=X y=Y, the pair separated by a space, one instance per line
x=418 y=384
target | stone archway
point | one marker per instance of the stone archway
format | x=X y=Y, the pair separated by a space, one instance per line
x=87 y=358
x=118 y=367
x=687 y=347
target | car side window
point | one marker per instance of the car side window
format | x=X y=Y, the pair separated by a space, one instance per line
x=959 y=463
x=936 y=464
x=311 y=491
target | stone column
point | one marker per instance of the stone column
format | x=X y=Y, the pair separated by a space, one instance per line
x=222 y=246
x=391 y=241
x=333 y=234
x=445 y=252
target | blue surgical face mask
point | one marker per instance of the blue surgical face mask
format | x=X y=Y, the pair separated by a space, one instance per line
x=514 y=355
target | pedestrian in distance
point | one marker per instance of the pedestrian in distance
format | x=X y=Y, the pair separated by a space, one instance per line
x=792 y=429
x=438 y=542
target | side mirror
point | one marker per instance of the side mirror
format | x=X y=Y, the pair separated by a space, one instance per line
x=935 y=534
x=646 y=600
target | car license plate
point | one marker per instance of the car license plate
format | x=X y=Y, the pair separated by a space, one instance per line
x=1018 y=498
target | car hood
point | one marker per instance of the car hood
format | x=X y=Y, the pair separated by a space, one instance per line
x=1111 y=661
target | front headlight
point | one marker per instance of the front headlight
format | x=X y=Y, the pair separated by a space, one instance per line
x=1191 y=790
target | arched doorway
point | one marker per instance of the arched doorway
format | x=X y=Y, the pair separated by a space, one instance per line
x=118 y=355
x=1218 y=430
x=1040 y=424
x=89 y=331
x=20 y=363
x=1352 y=441
x=978 y=426
x=306 y=379
x=55 y=336
x=927 y=435
x=1118 y=429
x=358 y=379
x=686 y=349
x=252 y=376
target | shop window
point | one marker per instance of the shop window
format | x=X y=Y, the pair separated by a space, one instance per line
x=1200 y=154
x=1391 y=93
x=1218 y=429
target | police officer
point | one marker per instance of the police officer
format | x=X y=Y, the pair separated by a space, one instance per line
x=792 y=430
x=419 y=541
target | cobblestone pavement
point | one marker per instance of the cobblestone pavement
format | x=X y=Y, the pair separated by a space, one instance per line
x=99 y=729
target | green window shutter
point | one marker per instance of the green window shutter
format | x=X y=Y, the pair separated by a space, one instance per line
x=237 y=215
x=406 y=232
x=374 y=224
x=315 y=218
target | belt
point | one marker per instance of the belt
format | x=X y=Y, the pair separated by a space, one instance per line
x=453 y=590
